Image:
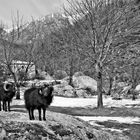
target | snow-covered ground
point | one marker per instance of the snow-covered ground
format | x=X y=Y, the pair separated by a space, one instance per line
x=129 y=120
x=91 y=103
x=126 y=120
x=88 y=102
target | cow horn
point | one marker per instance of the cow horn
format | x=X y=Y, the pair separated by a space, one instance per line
x=4 y=86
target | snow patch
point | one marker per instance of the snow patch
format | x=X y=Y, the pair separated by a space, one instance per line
x=116 y=130
x=128 y=120
x=137 y=88
x=73 y=102
x=92 y=102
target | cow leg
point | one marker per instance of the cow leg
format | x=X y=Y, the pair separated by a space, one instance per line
x=4 y=106
x=39 y=112
x=0 y=105
x=44 y=114
x=32 y=113
x=9 y=106
x=29 y=111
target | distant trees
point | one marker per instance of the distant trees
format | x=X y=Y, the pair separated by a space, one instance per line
x=68 y=49
x=57 y=50
x=131 y=57
x=43 y=43
x=102 y=32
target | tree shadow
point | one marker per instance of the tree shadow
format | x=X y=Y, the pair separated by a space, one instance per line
x=80 y=111
x=18 y=108
x=75 y=111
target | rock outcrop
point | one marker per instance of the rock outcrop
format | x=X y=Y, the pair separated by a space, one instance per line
x=16 y=126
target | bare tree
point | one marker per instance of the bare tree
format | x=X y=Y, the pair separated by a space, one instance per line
x=10 y=49
x=101 y=25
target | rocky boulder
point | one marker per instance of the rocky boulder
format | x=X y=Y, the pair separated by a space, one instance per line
x=82 y=93
x=31 y=75
x=60 y=74
x=86 y=83
x=137 y=88
x=64 y=90
x=17 y=126
x=77 y=74
x=125 y=91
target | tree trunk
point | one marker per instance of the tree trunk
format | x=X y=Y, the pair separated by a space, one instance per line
x=99 y=91
x=71 y=73
x=99 y=85
x=133 y=92
x=18 y=91
x=70 y=77
x=16 y=82
x=110 y=85
x=17 y=86
x=134 y=83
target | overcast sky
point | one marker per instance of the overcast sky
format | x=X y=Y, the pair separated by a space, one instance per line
x=27 y=9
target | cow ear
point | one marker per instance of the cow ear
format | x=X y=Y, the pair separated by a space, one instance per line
x=40 y=92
